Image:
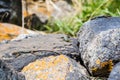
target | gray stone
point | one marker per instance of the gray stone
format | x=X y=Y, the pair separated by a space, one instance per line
x=19 y=62
x=99 y=42
x=115 y=73
x=29 y=47
x=49 y=43
x=7 y=73
x=78 y=73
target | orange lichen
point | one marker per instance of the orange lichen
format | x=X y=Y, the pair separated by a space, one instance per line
x=97 y=61
x=108 y=63
x=49 y=68
x=9 y=31
x=102 y=65
x=25 y=13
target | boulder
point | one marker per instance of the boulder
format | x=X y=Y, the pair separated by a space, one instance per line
x=115 y=73
x=49 y=57
x=55 y=68
x=99 y=44
x=12 y=51
x=7 y=73
x=57 y=43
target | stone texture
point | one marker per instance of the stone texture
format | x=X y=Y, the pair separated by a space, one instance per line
x=115 y=73
x=7 y=73
x=29 y=48
x=37 y=43
x=19 y=62
x=11 y=11
x=99 y=41
x=55 y=68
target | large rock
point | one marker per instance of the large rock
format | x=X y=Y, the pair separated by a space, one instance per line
x=115 y=73
x=7 y=73
x=57 y=43
x=43 y=57
x=55 y=68
x=99 y=44
x=39 y=45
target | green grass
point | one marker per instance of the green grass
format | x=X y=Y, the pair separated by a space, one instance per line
x=90 y=9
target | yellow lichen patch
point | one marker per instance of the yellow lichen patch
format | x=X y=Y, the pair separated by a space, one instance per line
x=97 y=61
x=107 y=63
x=94 y=69
x=103 y=65
x=49 y=68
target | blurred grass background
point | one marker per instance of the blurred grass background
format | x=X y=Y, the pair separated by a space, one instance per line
x=86 y=9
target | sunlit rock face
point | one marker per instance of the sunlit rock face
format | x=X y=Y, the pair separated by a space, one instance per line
x=11 y=11
x=55 y=68
x=99 y=44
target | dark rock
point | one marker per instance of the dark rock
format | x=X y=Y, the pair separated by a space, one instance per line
x=16 y=15
x=115 y=73
x=19 y=62
x=35 y=21
x=11 y=11
x=7 y=73
x=5 y=4
x=99 y=44
x=98 y=78
x=58 y=67
x=77 y=73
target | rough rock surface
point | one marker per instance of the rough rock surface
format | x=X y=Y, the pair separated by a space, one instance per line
x=11 y=11
x=7 y=73
x=99 y=44
x=115 y=73
x=44 y=57
x=55 y=68
x=36 y=43
x=32 y=47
